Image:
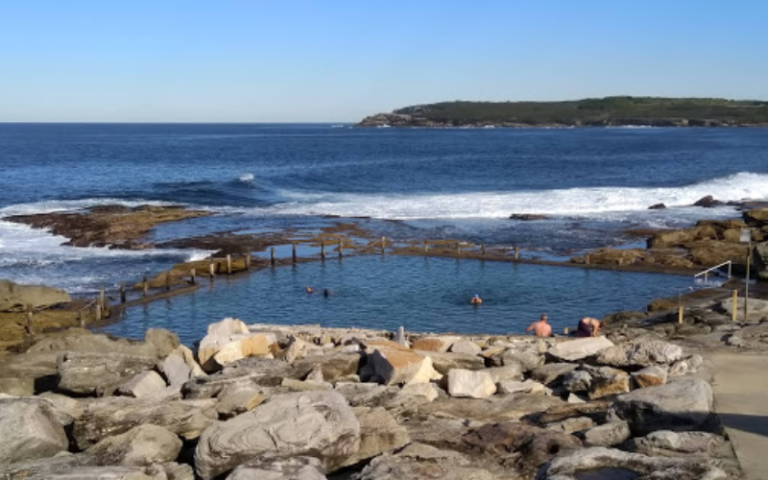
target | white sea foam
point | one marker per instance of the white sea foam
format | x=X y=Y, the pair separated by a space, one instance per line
x=51 y=206
x=591 y=202
x=246 y=177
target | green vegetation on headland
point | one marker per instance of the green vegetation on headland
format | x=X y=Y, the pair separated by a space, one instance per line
x=601 y=112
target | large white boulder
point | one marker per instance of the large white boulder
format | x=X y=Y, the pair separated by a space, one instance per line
x=30 y=430
x=392 y=363
x=580 y=348
x=470 y=384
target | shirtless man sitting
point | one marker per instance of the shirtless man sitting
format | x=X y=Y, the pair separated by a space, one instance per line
x=588 y=327
x=541 y=328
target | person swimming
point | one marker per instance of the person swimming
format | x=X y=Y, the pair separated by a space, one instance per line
x=309 y=290
x=476 y=300
x=326 y=293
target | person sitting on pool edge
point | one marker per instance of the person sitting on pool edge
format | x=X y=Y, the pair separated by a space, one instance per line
x=541 y=328
x=588 y=327
x=476 y=300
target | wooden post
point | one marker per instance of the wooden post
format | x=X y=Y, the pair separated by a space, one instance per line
x=383 y=244
x=566 y=331
x=229 y=264
x=29 y=318
x=272 y=256
x=620 y=261
x=192 y=276
x=341 y=248
x=586 y=259
x=517 y=253
x=97 y=311
x=734 y=310
x=102 y=297
x=167 y=280
x=482 y=249
x=680 y=314
x=212 y=270
x=322 y=249
x=81 y=318
x=293 y=252
x=144 y=286
x=248 y=261
x=458 y=249
x=122 y=293
x=426 y=247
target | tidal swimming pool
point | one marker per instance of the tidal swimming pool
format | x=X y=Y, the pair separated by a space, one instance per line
x=422 y=294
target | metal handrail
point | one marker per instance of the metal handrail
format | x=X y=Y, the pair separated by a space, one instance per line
x=716 y=269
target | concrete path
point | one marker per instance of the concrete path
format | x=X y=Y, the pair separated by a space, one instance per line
x=741 y=400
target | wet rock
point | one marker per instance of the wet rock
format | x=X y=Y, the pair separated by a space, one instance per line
x=712 y=252
x=379 y=433
x=394 y=364
x=607 y=381
x=571 y=425
x=552 y=373
x=527 y=217
x=435 y=344
x=606 y=435
x=682 y=404
x=445 y=362
x=666 y=443
x=707 y=202
x=18 y=387
x=650 y=377
x=611 y=463
x=329 y=431
x=15 y=297
x=580 y=348
x=115 y=415
x=679 y=238
x=527 y=387
x=236 y=399
x=470 y=384
x=466 y=347
x=140 y=446
x=577 y=381
x=644 y=352
x=93 y=373
x=418 y=461
x=163 y=340
x=143 y=385
x=30 y=431
x=657 y=206
x=279 y=468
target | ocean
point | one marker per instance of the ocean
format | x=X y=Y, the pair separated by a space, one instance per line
x=593 y=184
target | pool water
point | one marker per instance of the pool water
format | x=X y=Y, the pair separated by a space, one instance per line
x=422 y=294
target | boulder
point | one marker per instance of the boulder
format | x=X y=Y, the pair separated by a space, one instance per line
x=419 y=461
x=178 y=471
x=445 y=362
x=606 y=435
x=650 y=377
x=30 y=431
x=332 y=366
x=644 y=352
x=577 y=381
x=466 y=347
x=110 y=416
x=217 y=351
x=470 y=384
x=510 y=372
x=756 y=217
x=15 y=297
x=416 y=393
x=596 y=410
x=607 y=381
x=707 y=202
x=657 y=206
x=255 y=372
x=601 y=462
x=236 y=399
x=580 y=348
x=329 y=431
x=552 y=373
x=434 y=344
x=163 y=340
x=293 y=385
x=496 y=408
x=712 y=252
x=178 y=369
x=379 y=433
x=155 y=472
x=140 y=446
x=666 y=443
x=279 y=468
x=228 y=326
x=142 y=385
x=42 y=468
x=369 y=394
x=394 y=364
x=100 y=374
x=686 y=366
x=17 y=387
x=682 y=404
x=527 y=359
x=528 y=387
x=571 y=425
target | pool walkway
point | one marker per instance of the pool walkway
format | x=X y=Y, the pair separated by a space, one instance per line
x=740 y=389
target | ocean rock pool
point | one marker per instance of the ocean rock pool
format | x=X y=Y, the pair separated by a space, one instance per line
x=423 y=294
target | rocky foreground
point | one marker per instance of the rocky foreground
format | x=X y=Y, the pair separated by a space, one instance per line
x=275 y=402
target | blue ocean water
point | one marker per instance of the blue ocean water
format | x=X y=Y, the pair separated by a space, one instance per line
x=408 y=184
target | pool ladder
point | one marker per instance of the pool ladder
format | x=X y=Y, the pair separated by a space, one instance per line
x=703 y=276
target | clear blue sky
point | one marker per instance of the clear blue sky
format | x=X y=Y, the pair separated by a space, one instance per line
x=262 y=61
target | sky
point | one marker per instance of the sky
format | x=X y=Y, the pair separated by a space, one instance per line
x=338 y=61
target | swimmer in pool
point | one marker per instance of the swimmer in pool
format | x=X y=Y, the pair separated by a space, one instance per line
x=309 y=290
x=476 y=300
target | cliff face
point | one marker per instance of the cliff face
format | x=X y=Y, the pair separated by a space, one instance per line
x=611 y=111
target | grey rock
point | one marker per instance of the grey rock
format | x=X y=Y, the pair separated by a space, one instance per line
x=551 y=373
x=379 y=433
x=667 y=443
x=163 y=340
x=367 y=394
x=140 y=446
x=279 y=468
x=234 y=400
x=329 y=431
x=509 y=372
x=47 y=466
x=527 y=386
x=607 y=381
x=87 y=343
x=643 y=352
x=30 y=431
x=571 y=425
x=445 y=362
x=142 y=385
x=18 y=387
x=650 y=377
x=579 y=349
x=15 y=297
x=613 y=463
x=419 y=461
x=253 y=372
x=178 y=471
x=528 y=359
x=175 y=369
x=95 y=373
x=577 y=381
x=686 y=366
x=115 y=415
x=466 y=347
x=606 y=435
x=470 y=384
x=682 y=404
x=105 y=473
x=333 y=366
